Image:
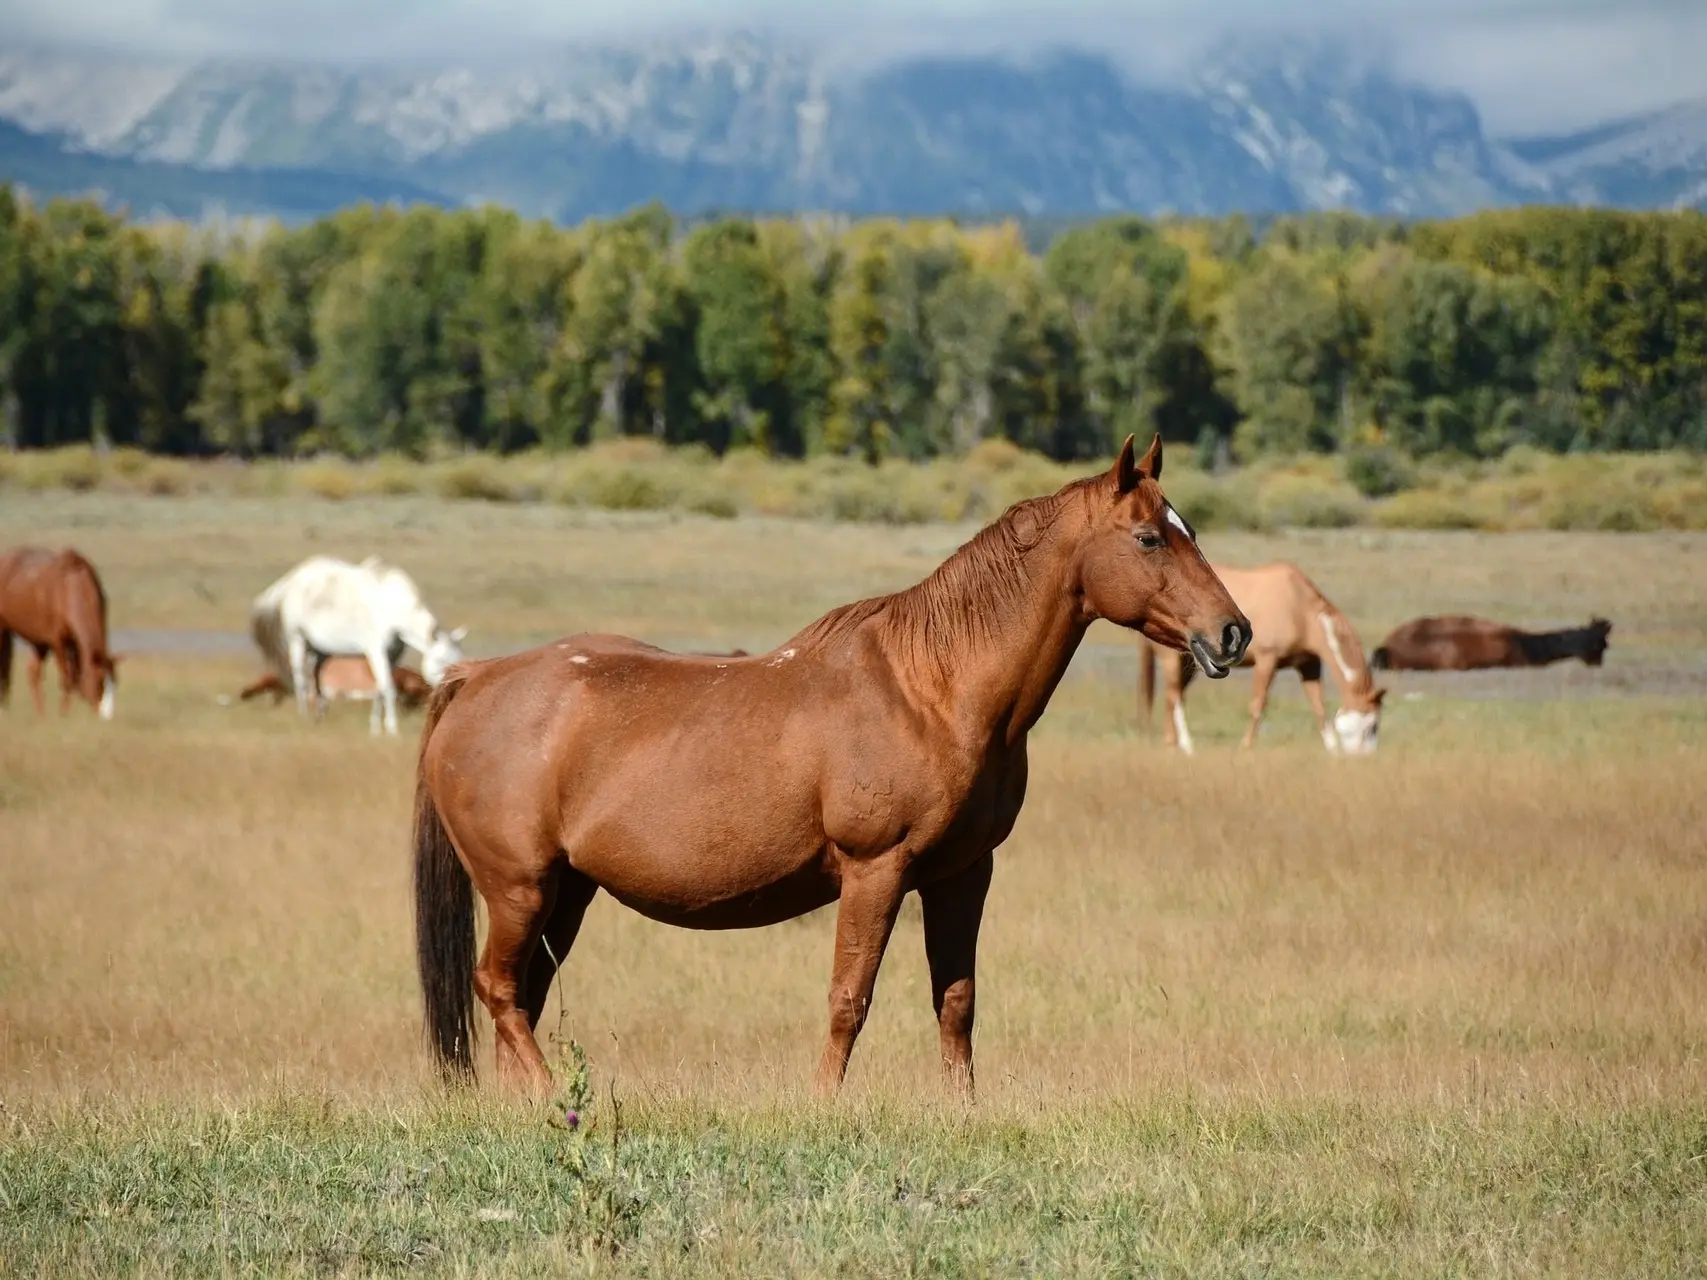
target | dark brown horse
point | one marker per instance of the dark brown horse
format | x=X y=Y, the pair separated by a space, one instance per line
x=54 y=603
x=881 y=750
x=1459 y=643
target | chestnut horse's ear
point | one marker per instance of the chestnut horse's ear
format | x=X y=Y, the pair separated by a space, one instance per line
x=1377 y=696
x=1151 y=467
x=1124 y=471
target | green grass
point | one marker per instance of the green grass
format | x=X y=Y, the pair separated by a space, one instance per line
x=1175 y=1186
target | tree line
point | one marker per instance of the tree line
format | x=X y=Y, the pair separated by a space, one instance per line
x=422 y=331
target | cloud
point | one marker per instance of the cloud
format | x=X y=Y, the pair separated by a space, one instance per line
x=1530 y=64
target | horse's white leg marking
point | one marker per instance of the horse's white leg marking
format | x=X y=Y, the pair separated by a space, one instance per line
x=1181 y=729
x=1331 y=739
x=299 y=670
x=386 y=689
x=1327 y=621
x=107 y=697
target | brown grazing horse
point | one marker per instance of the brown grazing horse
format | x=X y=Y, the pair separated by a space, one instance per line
x=1459 y=643
x=346 y=676
x=53 y=602
x=1298 y=627
x=880 y=750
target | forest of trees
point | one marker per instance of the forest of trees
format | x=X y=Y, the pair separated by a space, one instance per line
x=423 y=332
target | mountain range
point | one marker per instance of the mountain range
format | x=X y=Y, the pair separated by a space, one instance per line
x=1257 y=124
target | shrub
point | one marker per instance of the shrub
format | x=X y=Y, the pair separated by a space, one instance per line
x=1378 y=471
x=1306 y=502
x=715 y=503
x=1425 y=509
x=395 y=476
x=475 y=477
x=327 y=479
x=76 y=467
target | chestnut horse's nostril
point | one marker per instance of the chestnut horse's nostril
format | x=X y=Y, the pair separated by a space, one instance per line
x=1232 y=641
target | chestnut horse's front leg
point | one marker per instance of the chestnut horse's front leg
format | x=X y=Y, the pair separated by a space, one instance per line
x=871 y=899
x=953 y=910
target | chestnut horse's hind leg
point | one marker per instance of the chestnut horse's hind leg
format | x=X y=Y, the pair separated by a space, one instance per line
x=953 y=909
x=575 y=893
x=871 y=899
x=516 y=914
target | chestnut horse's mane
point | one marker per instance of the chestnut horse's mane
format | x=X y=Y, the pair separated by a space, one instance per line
x=961 y=604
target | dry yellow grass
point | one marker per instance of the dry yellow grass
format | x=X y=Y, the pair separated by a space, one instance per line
x=218 y=897
x=1491 y=932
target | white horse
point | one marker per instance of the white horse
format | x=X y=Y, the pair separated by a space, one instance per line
x=330 y=608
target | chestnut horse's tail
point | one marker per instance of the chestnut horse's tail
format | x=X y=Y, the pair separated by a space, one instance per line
x=444 y=915
x=1146 y=679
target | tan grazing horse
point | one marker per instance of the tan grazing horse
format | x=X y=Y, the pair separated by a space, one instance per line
x=879 y=751
x=53 y=601
x=1296 y=626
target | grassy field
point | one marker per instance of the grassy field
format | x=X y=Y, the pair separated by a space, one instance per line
x=1442 y=1011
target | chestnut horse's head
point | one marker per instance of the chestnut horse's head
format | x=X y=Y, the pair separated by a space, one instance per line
x=101 y=683
x=1140 y=568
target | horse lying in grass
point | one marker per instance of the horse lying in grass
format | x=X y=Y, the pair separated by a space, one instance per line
x=327 y=607
x=1459 y=643
x=53 y=601
x=344 y=677
x=879 y=751
x=1297 y=627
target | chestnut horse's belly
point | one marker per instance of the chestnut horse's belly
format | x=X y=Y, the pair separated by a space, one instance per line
x=705 y=822
x=805 y=889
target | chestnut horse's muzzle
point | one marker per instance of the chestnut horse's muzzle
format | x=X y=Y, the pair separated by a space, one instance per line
x=1235 y=639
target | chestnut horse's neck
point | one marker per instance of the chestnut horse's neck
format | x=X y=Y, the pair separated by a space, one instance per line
x=1341 y=650
x=989 y=634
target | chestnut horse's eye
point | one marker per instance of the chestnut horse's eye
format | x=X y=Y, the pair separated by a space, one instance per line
x=1149 y=539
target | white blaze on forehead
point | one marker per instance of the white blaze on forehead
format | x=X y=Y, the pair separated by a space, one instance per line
x=1327 y=622
x=1174 y=519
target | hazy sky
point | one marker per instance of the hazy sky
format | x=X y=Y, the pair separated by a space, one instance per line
x=1530 y=64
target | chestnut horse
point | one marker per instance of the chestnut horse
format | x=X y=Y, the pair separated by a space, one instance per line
x=1459 y=643
x=53 y=601
x=1298 y=627
x=880 y=750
